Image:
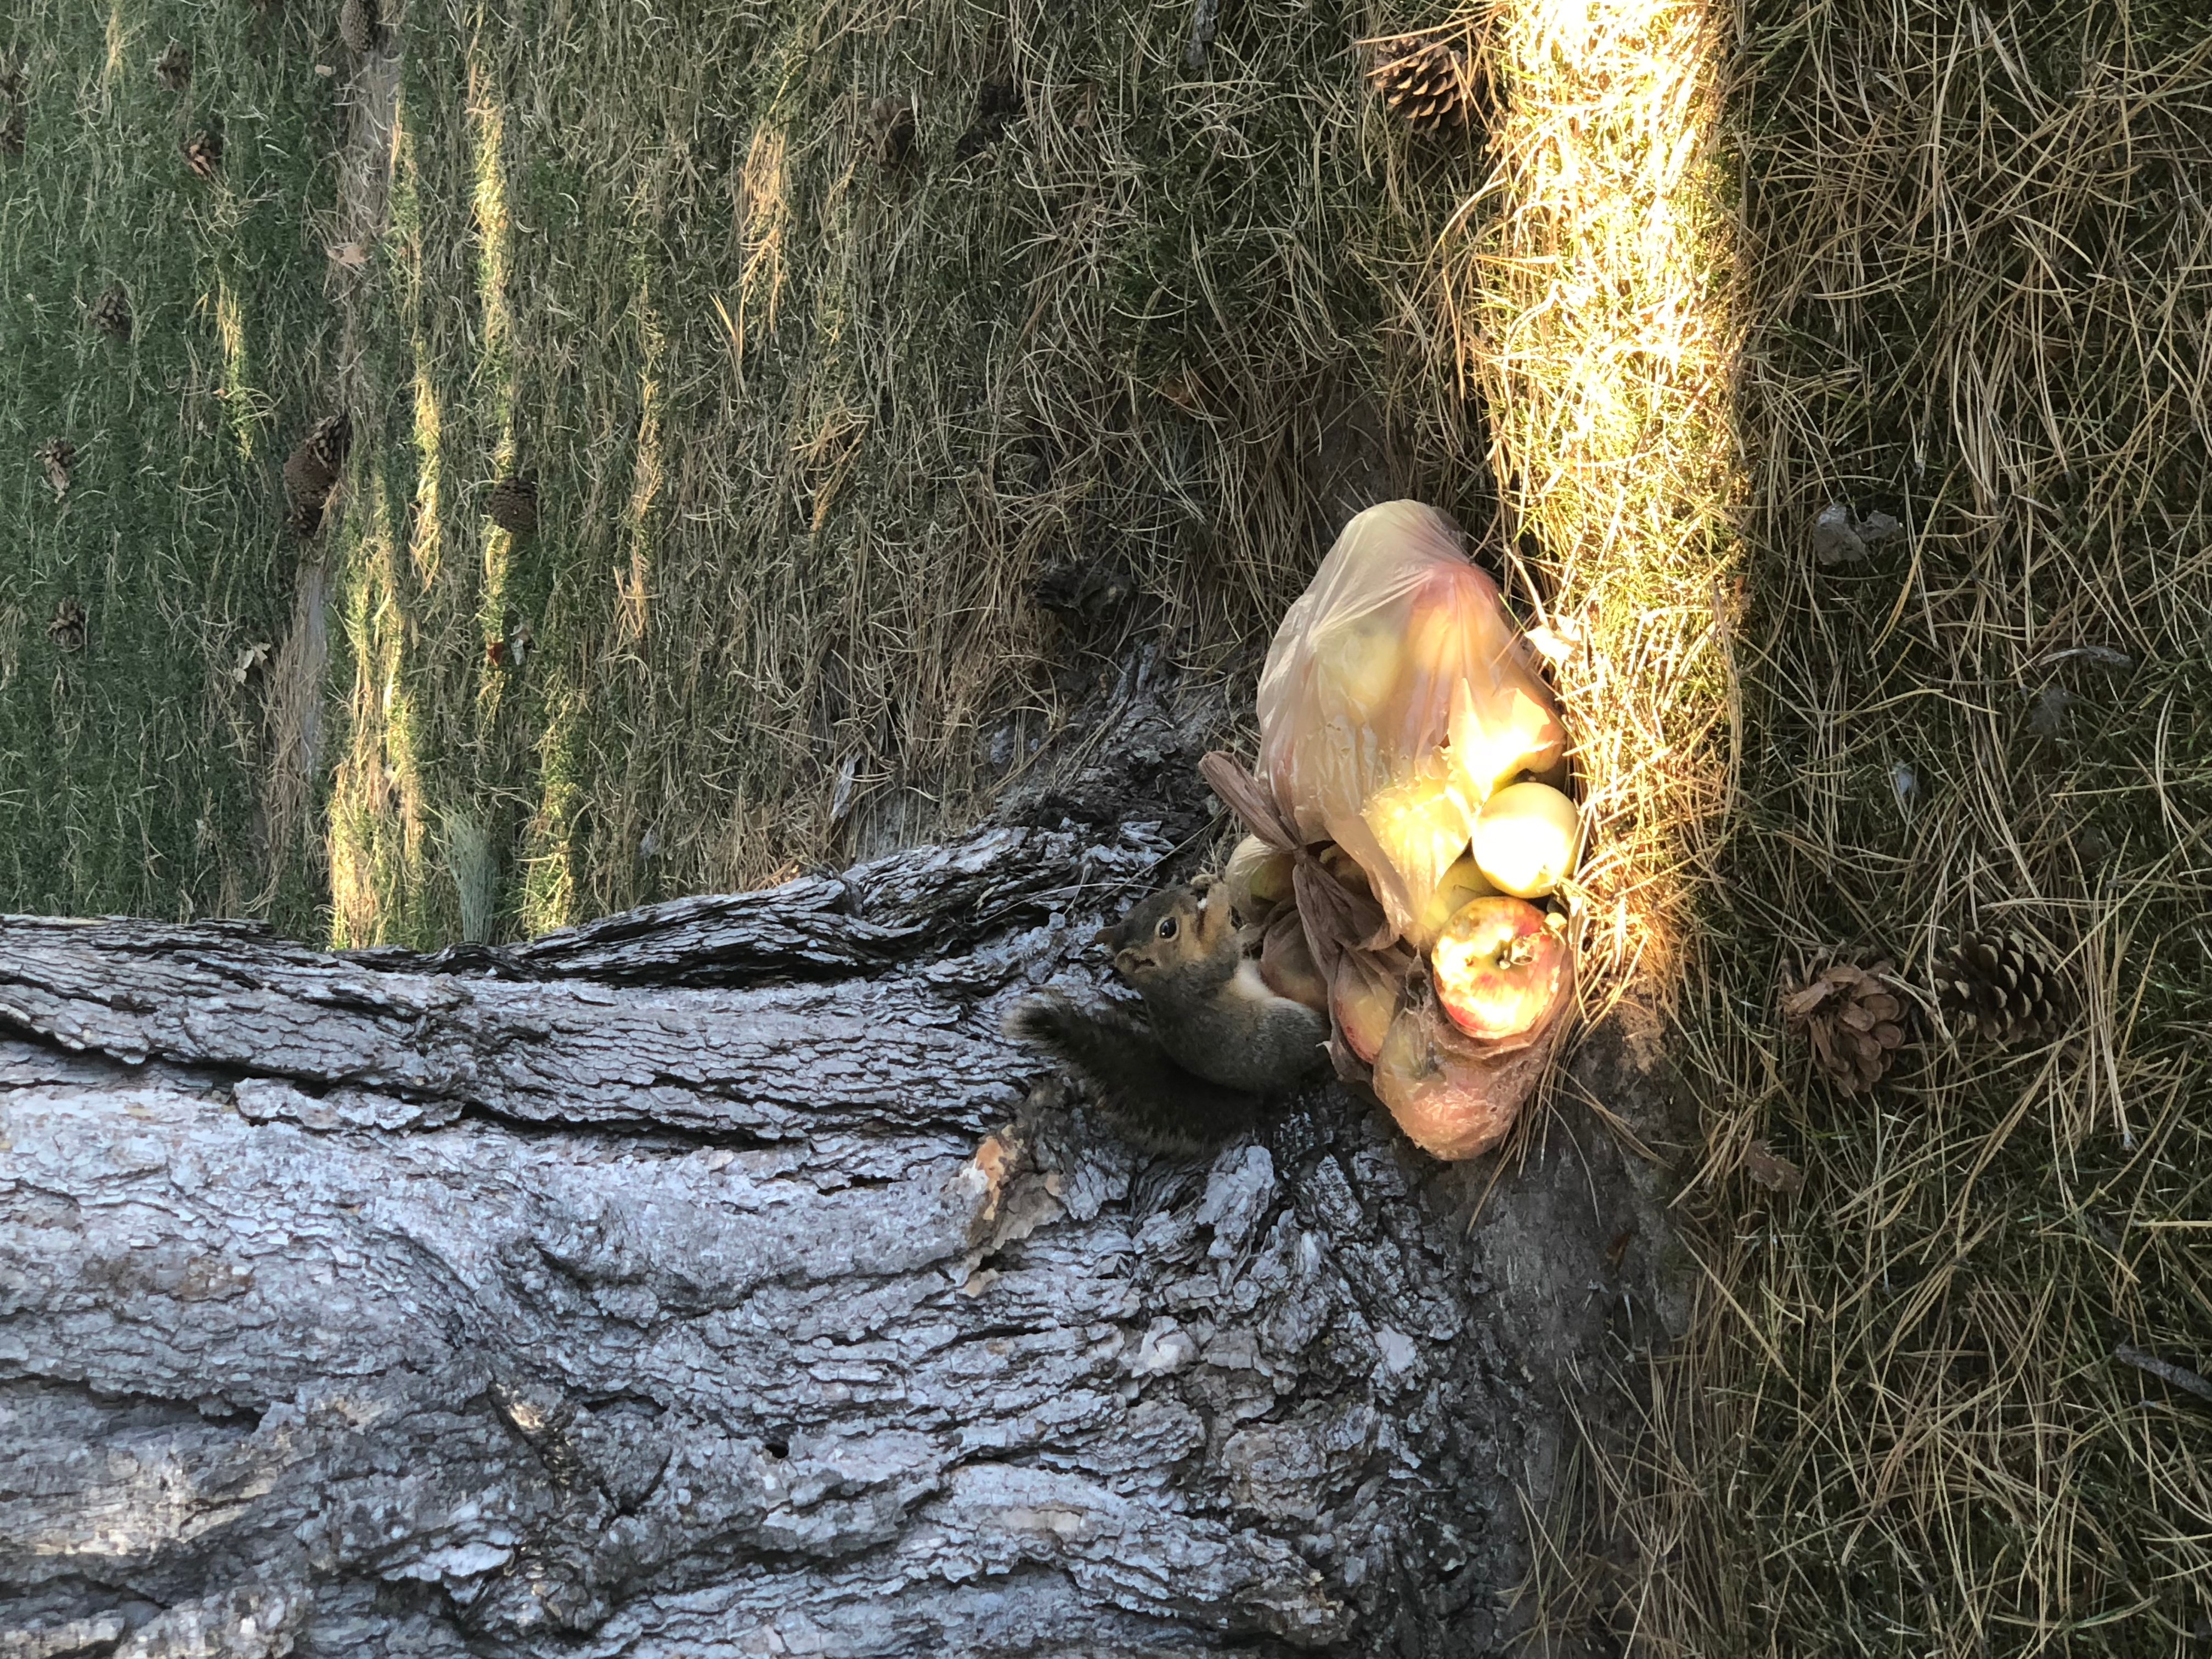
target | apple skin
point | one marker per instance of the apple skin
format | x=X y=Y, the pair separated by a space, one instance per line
x=1461 y=884
x=1526 y=838
x=1446 y=1109
x=1498 y=968
x=1364 y=1005
x=1258 y=879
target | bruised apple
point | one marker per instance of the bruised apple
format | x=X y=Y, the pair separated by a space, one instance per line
x=1525 y=838
x=1499 y=966
x=1448 y=1108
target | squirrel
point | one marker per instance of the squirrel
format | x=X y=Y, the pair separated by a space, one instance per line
x=1220 y=1040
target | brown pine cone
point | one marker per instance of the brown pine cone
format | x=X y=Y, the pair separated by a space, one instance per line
x=2001 y=986
x=58 y=456
x=1425 y=83
x=172 y=70
x=111 y=313
x=68 y=628
x=513 y=504
x=204 y=153
x=1854 y=1019
x=311 y=471
x=359 y=25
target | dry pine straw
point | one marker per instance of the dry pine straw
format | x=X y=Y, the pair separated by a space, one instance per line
x=1912 y=1413
x=809 y=430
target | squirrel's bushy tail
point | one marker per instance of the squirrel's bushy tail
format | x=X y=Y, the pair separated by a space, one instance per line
x=1153 y=1101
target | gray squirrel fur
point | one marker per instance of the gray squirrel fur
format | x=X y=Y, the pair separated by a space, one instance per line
x=1220 y=1043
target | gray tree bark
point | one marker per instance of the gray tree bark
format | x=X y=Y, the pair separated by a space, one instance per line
x=712 y=1280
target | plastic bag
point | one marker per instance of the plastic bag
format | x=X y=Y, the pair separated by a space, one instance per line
x=1396 y=696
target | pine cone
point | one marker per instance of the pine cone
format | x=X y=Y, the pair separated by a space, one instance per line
x=173 y=68
x=58 y=455
x=311 y=471
x=359 y=25
x=1427 y=83
x=111 y=313
x=513 y=504
x=67 y=630
x=204 y=153
x=2001 y=987
x=1855 y=1021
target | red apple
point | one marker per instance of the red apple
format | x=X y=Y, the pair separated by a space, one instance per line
x=1499 y=968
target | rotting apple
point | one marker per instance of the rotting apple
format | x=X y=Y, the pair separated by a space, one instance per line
x=1499 y=967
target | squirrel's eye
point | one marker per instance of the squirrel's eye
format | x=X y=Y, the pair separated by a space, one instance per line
x=1167 y=928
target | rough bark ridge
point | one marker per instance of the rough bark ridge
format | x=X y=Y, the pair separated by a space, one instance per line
x=709 y=1281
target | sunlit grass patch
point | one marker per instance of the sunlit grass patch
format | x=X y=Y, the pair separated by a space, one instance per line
x=1912 y=1415
x=1588 y=296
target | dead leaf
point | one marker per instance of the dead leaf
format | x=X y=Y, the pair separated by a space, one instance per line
x=1770 y=1169
x=352 y=255
x=1838 y=538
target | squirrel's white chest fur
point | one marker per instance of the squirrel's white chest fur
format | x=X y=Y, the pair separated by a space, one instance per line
x=1246 y=982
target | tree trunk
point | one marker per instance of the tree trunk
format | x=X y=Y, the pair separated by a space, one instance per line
x=709 y=1280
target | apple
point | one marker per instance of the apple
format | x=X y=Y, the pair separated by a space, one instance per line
x=1499 y=967
x=1422 y=823
x=1258 y=879
x=1346 y=870
x=1357 y=662
x=1525 y=838
x=1460 y=885
x=1287 y=962
x=1364 y=1003
x=1449 y=1106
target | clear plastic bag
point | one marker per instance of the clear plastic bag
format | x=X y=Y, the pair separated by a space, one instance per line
x=1396 y=697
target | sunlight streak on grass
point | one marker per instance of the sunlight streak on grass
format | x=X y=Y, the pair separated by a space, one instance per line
x=1589 y=297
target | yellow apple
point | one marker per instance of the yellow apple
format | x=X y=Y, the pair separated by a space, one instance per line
x=1525 y=838
x=1365 y=1002
x=1258 y=879
x=1460 y=885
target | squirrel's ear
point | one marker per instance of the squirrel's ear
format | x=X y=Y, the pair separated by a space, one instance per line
x=1103 y=938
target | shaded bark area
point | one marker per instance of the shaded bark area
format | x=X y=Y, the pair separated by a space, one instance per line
x=716 y=1279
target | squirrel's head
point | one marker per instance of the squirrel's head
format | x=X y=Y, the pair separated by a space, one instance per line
x=1174 y=925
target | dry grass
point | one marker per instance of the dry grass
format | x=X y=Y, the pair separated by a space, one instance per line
x=1973 y=293
x=810 y=432
x=126 y=768
x=1586 y=289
